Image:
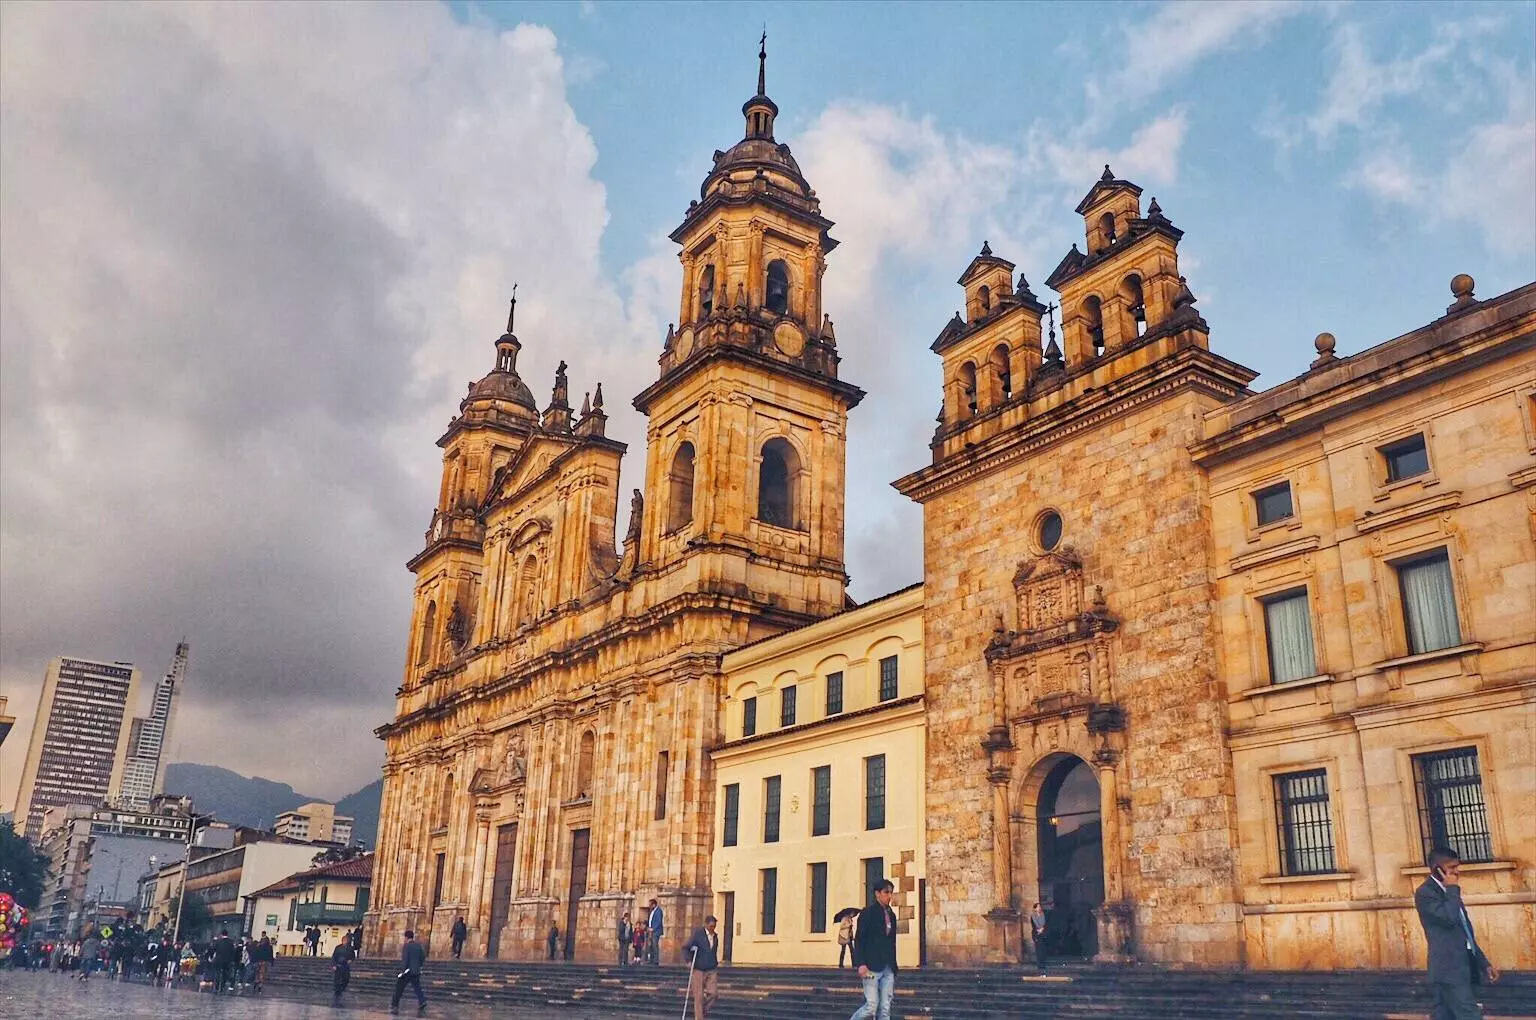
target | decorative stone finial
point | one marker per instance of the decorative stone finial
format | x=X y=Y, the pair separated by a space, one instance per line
x=671 y=335
x=828 y=334
x=1108 y=174
x=1461 y=288
x=597 y=398
x=986 y=249
x=586 y=404
x=1023 y=289
x=1324 y=343
x=1155 y=211
x=1185 y=298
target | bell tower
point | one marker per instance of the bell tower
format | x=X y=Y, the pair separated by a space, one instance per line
x=745 y=459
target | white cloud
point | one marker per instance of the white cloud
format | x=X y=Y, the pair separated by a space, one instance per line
x=1151 y=156
x=265 y=247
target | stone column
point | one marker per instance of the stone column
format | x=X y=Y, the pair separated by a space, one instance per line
x=685 y=304
x=757 y=282
x=475 y=885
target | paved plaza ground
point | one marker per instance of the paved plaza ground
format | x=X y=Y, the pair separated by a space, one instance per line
x=25 y=996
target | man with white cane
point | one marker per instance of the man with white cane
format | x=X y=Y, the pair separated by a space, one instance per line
x=703 y=951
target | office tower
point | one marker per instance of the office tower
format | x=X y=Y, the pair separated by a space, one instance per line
x=79 y=738
x=149 y=737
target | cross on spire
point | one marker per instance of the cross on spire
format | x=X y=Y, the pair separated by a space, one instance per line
x=762 y=63
x=512 y=312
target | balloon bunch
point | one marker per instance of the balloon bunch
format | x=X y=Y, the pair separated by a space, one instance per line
x=13 y=918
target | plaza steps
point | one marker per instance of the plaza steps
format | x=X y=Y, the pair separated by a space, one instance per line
x=1073 y=991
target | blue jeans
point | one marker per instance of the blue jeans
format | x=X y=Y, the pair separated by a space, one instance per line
x=879 y=988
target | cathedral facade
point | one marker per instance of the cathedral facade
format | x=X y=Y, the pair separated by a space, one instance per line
x=1203 y=671
x=548 y=763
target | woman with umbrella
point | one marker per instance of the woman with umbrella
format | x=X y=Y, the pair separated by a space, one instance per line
x=846 y=919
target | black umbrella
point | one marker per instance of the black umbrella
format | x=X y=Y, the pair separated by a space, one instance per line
x=845 y=912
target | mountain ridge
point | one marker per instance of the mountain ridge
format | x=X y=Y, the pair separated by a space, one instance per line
x=256 y=801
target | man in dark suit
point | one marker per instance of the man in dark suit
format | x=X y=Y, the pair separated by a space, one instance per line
x=703 y=949
x=1456 y=962
x=874 y=952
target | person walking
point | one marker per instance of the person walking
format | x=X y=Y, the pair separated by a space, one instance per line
x=357 y=942
x=261 y=956
x=225 y=953
x=1037 y=934
x=552 y=940
x=845 y=936
x=655 y=927
x=874 y=953
x=460 y=933
x=412 y=958
x=624 y=934
x=1456 y=961
x=341 y=969
x=703 y=986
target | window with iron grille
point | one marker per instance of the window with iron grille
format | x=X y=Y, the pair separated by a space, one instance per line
x=769 y=897
x=874 y=792
x=771 y=787
x=1304 y=825
x=1452 y=811
x=834 y=693
x=821 y=800
x=732 y=813
x=888 y=678
x=749 y=717
x=819 y=897
x=787 y=699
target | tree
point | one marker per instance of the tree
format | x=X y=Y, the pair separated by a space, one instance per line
x=22 y=869
x=195 y=916
x=337 y=854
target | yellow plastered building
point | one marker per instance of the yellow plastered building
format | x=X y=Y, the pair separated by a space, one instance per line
x=819 y=783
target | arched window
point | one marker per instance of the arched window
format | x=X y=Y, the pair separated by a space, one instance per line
x=776 y=479
x=707 y=292
x=445 y=802
x=986 y=299
x=968 y=388
x=1107 y=228
x=1093 y=319
x=1135 y=302
x=776 y=298
x=1000 y=366
x=584 y=764
x=680 y=488
x=528 y=585
x=424 y=640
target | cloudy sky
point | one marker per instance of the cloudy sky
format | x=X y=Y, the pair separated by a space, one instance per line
x=252 y=254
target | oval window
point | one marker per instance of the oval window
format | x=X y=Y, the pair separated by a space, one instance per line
x=1050 y=530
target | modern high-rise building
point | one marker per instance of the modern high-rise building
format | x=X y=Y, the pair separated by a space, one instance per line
x=315 y=822
x=79 y=738
x=6 y=720
x=144 y=771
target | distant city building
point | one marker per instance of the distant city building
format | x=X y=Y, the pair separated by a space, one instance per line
x=79 y=738
x=144 y=771
x=97 y=855
x=223 y=880
x=6 y=721
x=332 y=896
x=316 y=822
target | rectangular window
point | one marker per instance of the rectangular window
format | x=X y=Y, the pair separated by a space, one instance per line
x=1429 y=603
x=732 y=814
x=1274 y=503
x=437 y=881
x=771 y=787
x=874 y=792
x=662 y=760
x=768 y=896
x=749 y=717
x=819 y=897
x=1304 y=826
x=821 y=800
x=1406 y=458
x=1288 y=632
x=874 y=871
x=1452 y=812
x=834 y=693
x=888 y=678
x=787 y=699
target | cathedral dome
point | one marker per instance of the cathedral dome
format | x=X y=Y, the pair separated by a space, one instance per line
x=499 y=385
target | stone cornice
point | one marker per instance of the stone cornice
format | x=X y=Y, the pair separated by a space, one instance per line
x=1373 y=519
x=850 y=393
x=1190 y=368
x=1259 y=557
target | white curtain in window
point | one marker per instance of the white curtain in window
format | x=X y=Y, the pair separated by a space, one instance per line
x=1290 y=638
x=1429 y=605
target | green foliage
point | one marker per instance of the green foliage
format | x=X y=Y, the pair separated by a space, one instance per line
x=22 y=869
x=196 y=918
x=337 y=854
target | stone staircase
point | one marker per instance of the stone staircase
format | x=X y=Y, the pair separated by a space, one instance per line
x=802 y=993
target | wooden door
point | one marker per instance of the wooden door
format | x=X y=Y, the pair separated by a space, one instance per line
x=580 y=840
x=728 y=908
x=501 y=885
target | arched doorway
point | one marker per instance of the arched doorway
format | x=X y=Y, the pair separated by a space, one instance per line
x=1070 y=856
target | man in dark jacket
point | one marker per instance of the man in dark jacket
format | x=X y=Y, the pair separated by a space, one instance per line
x=225 y=955
x=625 y=933
x=460 y=933
x=341 y=969
x=412 y=958
x=1456 y=962
x=874 y=952
x=703 y=953
x=261 y=957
